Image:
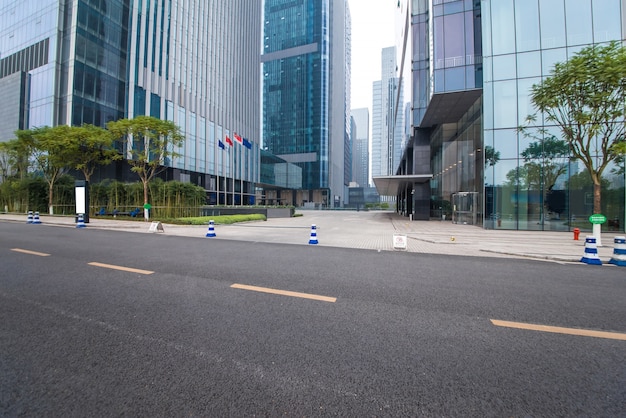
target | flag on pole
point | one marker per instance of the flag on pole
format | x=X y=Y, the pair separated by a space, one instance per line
x=229 y=142
x=220 y=144
x=238 y=138
x=247 y=143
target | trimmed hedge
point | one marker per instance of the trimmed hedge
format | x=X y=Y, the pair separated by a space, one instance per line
x=218 y=220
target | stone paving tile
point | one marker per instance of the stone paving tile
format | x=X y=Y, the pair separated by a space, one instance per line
x=374 y=231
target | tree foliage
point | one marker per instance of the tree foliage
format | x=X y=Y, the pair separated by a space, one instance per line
x=16 y=155
x=87 y=147
x=49 y=151
x=148 y=143
x=585 y=98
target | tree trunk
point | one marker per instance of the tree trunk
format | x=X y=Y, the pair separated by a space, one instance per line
x=597 y=195
x=50 y=189
x=145 y=200
x=597 y=208
x=145 y=191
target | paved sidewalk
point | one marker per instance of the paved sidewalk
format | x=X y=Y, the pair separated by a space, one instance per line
x=374 y=230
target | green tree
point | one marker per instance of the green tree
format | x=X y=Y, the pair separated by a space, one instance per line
x=6 y=165
x=619 y=148
x=50 y=153
x=87 y=147
x=148 y=143
x=17 y=154
x=14 y=158
x=585 y=98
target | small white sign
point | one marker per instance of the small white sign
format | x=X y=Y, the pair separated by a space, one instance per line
x=156 y=227
x=399 y=242
x=80 y=200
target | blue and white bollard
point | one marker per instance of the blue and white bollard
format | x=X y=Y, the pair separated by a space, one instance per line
x=81 y=221
x=591 y=252
x=36 y=219
x=29 y=218
x=313 y=238
x=211 y=232
x=619 y=252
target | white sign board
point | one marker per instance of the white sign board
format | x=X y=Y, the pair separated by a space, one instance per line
x=156 y=227
x=80 y=200
x=399 y=242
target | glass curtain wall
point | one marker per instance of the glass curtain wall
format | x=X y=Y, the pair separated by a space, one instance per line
x=295 y=86
x=99 y=66
x=456 y=70
x=532 y=182
x=457 y=164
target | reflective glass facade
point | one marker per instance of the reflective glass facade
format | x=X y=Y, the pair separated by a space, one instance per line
x=541 y=188
x=305 y=108
x=360 y=147
x=387 y=130
x=193 y=62
x=197 y=63
x=296 y=85
x=98 y=65
x=32 y=52
x=473 y=65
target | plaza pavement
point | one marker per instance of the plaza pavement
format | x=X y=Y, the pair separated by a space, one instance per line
x=371 y=230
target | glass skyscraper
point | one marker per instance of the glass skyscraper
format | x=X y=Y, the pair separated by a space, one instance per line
x=306 y=94
x=194 y=62
x=360 y=146
x=473 y=65
x=387 y=131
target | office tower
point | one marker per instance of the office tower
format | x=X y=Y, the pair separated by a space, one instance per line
x=193 y=62
x=360 y=147
x=387 y=117
x=306 y=92
x=473 y=65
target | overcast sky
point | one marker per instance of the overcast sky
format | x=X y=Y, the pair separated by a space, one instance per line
x=373 y=28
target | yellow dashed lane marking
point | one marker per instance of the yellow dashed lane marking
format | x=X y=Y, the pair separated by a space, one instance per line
x=19 y=250
x=114 y=267
x=560 y=330
x=284 y=293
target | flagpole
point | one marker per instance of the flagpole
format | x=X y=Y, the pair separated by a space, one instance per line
x=221 y=174
x=241 y=169
x=241 y=176
x=228 y=172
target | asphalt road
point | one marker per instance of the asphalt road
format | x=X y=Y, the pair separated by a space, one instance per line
x=367 y=333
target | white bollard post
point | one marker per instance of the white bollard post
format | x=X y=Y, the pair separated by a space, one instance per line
x=591 y=252
x=619 y=252
x=313 y=238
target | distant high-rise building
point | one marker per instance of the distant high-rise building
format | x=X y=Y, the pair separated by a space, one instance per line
x=306 y=94
x=360 y=146
x=387 y=118
x=193 y=62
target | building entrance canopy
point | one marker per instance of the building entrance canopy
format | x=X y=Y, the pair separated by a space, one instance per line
x=392 y=185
